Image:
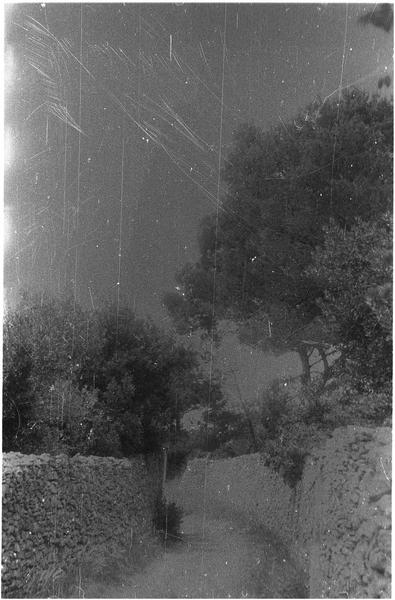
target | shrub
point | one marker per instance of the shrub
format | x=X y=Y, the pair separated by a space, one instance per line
x=100 y=566
x=167 y=520
x=286 y=430
x=49 y=582
x=339 y=403
x=297 y=425
x=287 y=453
x=292 y=468
x=274 y=409
x=92 y=382
x=176 y=462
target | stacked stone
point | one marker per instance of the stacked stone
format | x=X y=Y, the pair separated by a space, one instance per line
x=56 y=509
x=336 y=522
x=345 y=515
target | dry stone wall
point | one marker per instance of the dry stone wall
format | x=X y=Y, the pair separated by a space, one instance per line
x=241 y=485
x=337 y=521
x=56 y=508
x=344 y=517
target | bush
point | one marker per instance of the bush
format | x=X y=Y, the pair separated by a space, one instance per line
x=100 y=568
x=284 y=432
x=339 y=403
x=167 y=520
x=273 y=410
x=286 y=454
x=291 y=427
x=43 y=583
x=92 y=382
x=292 y=468
x=176 y=462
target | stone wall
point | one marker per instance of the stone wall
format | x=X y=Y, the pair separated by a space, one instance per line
x=56 y=509
x=337 y=520
x=344 y=518
x=241 y=485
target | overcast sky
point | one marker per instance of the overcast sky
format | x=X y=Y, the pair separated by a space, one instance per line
x=113 y=118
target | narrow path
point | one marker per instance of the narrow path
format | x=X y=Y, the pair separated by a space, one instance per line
x=217 y=556
x=223 y=560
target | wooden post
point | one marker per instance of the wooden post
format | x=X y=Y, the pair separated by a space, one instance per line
x=163 y=486
x=164 y=467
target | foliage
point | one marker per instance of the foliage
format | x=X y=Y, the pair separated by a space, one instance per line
x=44 y=342
x=60 y=420
x=104 y=562
x=145 y=381
x=100 y=382
x=343 y=404
x=348 y=265
x=334 y=161
x=287 y=460
x=177 y=456
x=167 y=519
x=273 y=408
x=382 y=16
x=45 y=582
x=219 y=425
x=100 y=566
x=287 y=428
x=103 y=566
x=301 y=258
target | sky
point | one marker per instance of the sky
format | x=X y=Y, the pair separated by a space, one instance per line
x=119 y=117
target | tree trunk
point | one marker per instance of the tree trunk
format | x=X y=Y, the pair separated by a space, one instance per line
x=177 y=425
x=243 y=285
x=324 y=359
x=252 y=432
x=305 y=377
x=250 y=424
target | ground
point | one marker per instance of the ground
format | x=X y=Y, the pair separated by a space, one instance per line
x=217 y=556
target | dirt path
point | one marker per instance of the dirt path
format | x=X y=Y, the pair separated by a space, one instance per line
x=216 y=557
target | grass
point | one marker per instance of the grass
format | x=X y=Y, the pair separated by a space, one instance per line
x=167 y=520
x=99 y=574
x=45 y=583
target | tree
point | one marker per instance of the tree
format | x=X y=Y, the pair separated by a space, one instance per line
x=353 y=268
x=145 y=381
x=61 y=420
x=44 y=341
x=382 y=16
x=99 y=382
x=334 y=161
x=218 y=425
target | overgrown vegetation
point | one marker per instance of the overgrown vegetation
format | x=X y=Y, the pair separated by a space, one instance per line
x=100 y=569
x=287 y=426
x=306 y=421
x=102 y=383
x=301 y=258
x=167 y=520
x=289 y=194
